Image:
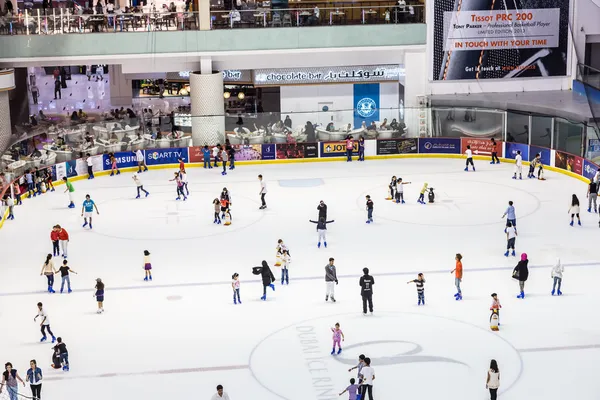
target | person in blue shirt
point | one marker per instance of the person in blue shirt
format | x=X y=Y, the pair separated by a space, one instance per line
x=88 y=210
x=510 y=214
x=34 y=378
x=206 y=154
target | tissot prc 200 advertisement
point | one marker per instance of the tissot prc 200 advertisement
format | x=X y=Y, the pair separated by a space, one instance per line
x=488 y=39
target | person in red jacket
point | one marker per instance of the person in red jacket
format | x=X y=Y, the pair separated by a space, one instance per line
x=54 y=238
x=63 y=236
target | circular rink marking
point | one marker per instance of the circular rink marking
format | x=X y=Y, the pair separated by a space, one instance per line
x=406 y=347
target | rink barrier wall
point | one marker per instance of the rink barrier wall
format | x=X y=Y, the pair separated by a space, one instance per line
x=453 y=148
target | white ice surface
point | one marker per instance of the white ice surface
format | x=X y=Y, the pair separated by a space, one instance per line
x=180 y=335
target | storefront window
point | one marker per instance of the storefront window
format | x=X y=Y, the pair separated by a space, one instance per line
x=517 y=128
x=568 y=136
x=467 y=122
x=541 y=131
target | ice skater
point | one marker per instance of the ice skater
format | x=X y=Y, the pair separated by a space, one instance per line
x=90 y=165
x=99 y=294
x=64 y=275
x=179 y=183
x=10 y=204
x=63 y=353
x=420 y=283
x=353 y=388
x=592 y=195
x=263 y=192
x=184 y=180
x=369 y=206
x=338 y=338
x=224 y=205
x=139 y=156
x=518 y=165
x=469 y=155
x=267 y=279
x=49 y=183
x=55 y=242
x=495 y=159
x=114 y=170
x=521 y=273
x=286 y=260
x=322 y=230
x=9 y=379
x=574 y=210
x=557 y=275
x=511 y=237
x=400 y=190
x=422 y=193
x=139 y=185
x=392 y=187
x=361 y=148
x=322 y=209
x=71 y=190
x=225 y=195
x=63 y=237
x=34 y=378
x=45 y=323
x=510 y=214
x=366 y=283
x=215 y=153
x=492 y=382
x=224 y=158
x=87 y=210
x=217 y=206
x=458 y=274
x=495 y=307
x=147 y=266
x=49 y=271
x=330 y=280
x=235 y=285
x=206 y=157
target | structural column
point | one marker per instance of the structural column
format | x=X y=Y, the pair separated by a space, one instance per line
x=208 y=109
x=415 y=89
x=121 y=92
x=7 y=83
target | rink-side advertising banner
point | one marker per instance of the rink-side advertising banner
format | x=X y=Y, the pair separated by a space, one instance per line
x=439 y=145
x=510 y=150
x=268 y=151
x=589 y=169
x=490 y=39
x=366 y=103
x=197 y=156
x=124 y=159
x=166 y=156
x=337 y=149
x=397 y=146
x=297 y=150
x=545 y=154
x=568 y=162
x=481 y=147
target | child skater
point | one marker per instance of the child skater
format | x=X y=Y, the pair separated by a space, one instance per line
x=147 y=266
x=217 y=205
x=49 y=183
x=224 y=205
x=574 y=210
x=113 y=165
x=422 y=193
x=184 y=180
x=235 y=285
x=469 y=155
x=338 y=337
x=458 y=274
x=179 y=183
x=99 y=294
x=400 y=190
x=285 y=263
x=322 y=230
x=281 y=247
x=352 y=390
x=511 y=237
x=518 y=165
x=557 y=275
x=420 y=281
x=495 y=159
x=369 y=206
x=392 y=188
x=227 y=218
x=495 y=308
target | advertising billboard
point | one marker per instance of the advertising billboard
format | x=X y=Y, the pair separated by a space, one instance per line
x=268 y=151
x=124 y=159
x=297 y=150
x=166 y=156
x=481 y=147
x=543 y=152
x=488 y=39
x=337 y=149
x=510 y=150
x=439 y=145
x=397 y=146
x=569 y=162
x=589 y=169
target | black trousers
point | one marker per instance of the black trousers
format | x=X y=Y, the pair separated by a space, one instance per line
x=493 y=394
x=44 y=327
x=36 y=391
x=90 y=171
x=495 y=157
x=470 y=161
x=55 y=248
x=367 y=389
x=262 y=199
x=367 y=298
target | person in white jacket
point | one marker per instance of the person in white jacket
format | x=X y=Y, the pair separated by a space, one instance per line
x=557 y=275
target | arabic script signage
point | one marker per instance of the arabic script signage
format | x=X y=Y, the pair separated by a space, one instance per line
x=354 y=74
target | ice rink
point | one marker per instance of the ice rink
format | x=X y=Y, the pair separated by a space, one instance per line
x=181 y=335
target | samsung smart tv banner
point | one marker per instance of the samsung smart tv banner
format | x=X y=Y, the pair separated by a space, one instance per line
x=488 y=39
x=366 y=103
x=166 y=156
x=439 y=145
x=589 y=169
x=124 y=159
x=511 y=148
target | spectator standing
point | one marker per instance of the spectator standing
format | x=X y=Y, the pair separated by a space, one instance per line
x=35 y=92
x=57 y=89
x=366 y=290
x=220 y=395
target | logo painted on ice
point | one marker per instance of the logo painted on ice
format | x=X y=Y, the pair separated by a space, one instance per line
x=366 y=107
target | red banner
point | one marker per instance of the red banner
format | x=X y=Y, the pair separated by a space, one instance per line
x=569 y=162
x=196 y=155
x=481 y=147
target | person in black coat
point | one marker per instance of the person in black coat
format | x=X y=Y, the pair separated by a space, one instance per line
x=366 y=290
x=267 y=279
x=521 y=272
x=322 y=208
x=309 y=131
